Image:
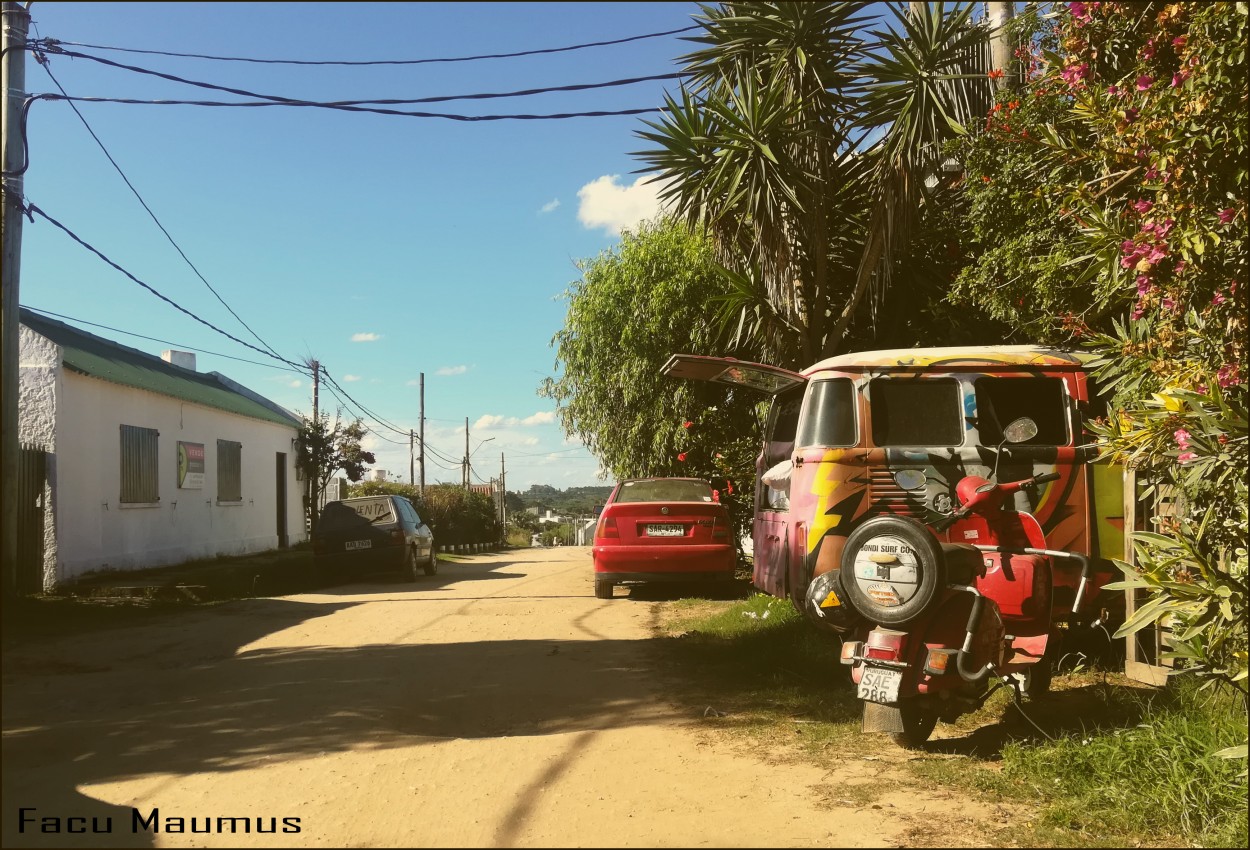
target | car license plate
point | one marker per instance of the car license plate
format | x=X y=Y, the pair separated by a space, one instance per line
x=878 y=685
x=665 y=530
x=358 y=544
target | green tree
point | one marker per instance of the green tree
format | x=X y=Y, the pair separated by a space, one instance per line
x=1108 y=201
x=322 y=449
x=806 y=148
x=636 y=305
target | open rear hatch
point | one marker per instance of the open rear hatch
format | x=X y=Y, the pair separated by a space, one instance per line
x=727 y=370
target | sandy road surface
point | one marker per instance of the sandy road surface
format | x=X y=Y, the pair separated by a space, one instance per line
x=496 y=704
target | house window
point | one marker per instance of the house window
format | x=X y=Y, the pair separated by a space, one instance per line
x=140 y=483
x=229 y=471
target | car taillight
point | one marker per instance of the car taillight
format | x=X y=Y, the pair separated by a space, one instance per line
x=607 y=527
x=851 y=650
x=939 y=661
x=885 y=644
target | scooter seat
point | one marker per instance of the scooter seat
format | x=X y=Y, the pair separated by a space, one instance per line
x=963 y=562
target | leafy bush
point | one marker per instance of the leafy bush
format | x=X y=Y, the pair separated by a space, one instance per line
x=455 y=515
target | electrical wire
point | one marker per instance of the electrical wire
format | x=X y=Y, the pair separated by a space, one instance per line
x=31 y=209
x=179 y=345
x=343 y=104
x=364 y=63
x=145 y=206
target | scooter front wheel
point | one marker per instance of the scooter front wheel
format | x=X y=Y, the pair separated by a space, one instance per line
x=918 y=720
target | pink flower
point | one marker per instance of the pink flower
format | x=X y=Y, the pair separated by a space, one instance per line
x=682 y=457
x=1168 y=304
x=1217 y=299
x=1148 y=52
x=1143 y=284
x=1079 y=10
x=1180 y=41
x=1157 y=253
x=1143 y=206
x=1144 y=81
x=1182 y=438
x=1227 y=215
x=1113 y=90
x=1179 y=78
x=1074 y=74
x=1162 y=230
x=686 y=424
x=1152 y=173
x=1186 y=457
x=1229 y=375
x=1138 y=311
x=1130 y=114
x=1181 y=265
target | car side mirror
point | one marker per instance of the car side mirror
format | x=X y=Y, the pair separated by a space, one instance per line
x=1020 y=431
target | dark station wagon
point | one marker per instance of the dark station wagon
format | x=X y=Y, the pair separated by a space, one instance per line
x=374 y=534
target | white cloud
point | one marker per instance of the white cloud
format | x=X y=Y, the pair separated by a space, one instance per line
x=529 y=441
x=543 y=417
x=607 y=204
x=366 y=337
x=550 y=206
x=297 y=383
x=452 y=370
x=350 y=378
x=488 y=421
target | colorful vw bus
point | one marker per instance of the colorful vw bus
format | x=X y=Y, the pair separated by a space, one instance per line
x=893 y=432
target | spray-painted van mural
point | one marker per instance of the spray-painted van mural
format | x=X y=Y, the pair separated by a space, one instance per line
x=895 y=431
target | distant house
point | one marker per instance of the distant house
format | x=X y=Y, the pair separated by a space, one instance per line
x=147 y=461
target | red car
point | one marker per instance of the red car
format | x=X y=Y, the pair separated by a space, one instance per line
x=662 y=529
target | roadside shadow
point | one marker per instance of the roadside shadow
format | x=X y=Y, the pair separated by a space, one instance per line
x=671 y=591
x=1059 y=713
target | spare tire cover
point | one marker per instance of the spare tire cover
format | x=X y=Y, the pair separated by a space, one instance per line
x=892 y=569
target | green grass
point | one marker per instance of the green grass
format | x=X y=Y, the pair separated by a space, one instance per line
x=1158 y=778
x=1112 y=765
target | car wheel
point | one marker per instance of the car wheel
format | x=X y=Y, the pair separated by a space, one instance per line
x=431 y=566
x=603 y=588
x=410 y=565
x=918 y=723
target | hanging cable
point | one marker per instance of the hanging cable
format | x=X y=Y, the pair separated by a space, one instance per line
x=145 y=206
x=294 y=101
x=32 y=209
x=369 y=62
x=179 y=345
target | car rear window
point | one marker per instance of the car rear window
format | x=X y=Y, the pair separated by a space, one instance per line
x=664 y=491
x=339 y=515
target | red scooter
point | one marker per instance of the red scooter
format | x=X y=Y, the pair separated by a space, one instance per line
x=991 y=619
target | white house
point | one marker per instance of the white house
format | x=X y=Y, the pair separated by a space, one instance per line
x=149 y=462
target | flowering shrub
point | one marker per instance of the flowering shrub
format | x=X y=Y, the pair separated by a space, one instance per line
x=1107 y=198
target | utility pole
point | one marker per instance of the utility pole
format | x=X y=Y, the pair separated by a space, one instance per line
x=314 y=479
x=466 y=453
x=411 y=468
x=422 y=426
x=16 y=22
x=503 y=500
x=1002 y=51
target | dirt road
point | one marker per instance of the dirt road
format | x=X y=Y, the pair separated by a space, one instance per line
x=497 y=704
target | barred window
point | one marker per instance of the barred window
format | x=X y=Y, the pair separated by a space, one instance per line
x=229 y=471
x=139 y=467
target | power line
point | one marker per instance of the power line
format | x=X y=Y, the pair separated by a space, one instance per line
x=179 y=345
x=144 y=204
x=32 y=209
x=292 y=101
x=362 y=63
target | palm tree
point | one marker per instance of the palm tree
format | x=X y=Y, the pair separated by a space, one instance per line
x=803 y=142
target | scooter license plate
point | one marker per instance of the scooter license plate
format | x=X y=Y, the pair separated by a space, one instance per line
x=880 y=685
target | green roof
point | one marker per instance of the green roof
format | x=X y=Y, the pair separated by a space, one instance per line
x=100 y=358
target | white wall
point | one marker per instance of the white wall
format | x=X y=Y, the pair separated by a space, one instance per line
x=39 y=375
x=96 y=532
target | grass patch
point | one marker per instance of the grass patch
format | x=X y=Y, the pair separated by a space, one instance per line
x=755 y=666
x=1156 y=779
x=1113 y=764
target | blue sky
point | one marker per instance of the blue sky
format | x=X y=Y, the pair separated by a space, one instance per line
x=382 y=246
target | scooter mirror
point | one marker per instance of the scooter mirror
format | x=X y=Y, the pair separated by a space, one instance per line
x=1020 y=431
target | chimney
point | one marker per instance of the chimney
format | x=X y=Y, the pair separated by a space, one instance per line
x=184 y=359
